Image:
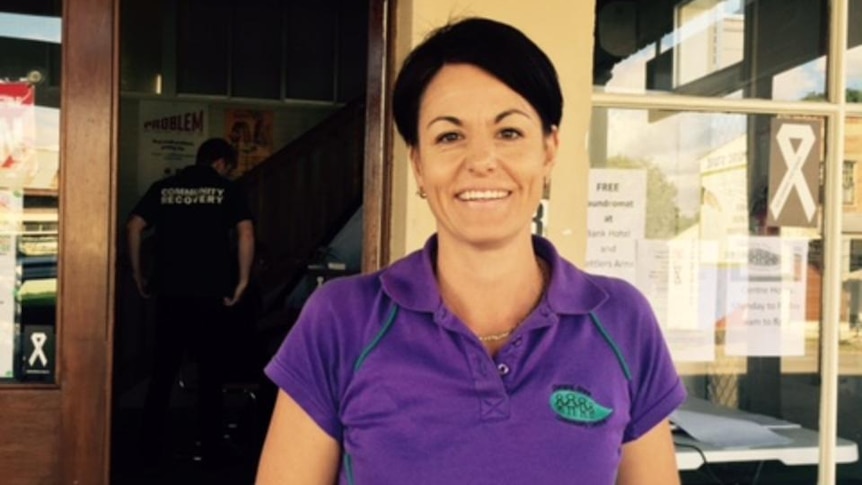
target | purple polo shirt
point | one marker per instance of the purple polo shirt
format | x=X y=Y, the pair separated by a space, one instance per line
x=413 y=397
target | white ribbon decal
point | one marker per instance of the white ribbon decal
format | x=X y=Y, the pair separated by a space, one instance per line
x=794 y=161
x=38 y=339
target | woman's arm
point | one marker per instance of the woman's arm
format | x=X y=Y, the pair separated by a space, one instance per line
x=650 y=459
x=296 y=450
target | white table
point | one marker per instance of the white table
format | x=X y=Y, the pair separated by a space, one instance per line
x=803 y=448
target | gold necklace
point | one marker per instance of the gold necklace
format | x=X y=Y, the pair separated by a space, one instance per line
x=496 y=337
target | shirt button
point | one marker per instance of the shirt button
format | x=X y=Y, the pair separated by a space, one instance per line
x=503 y=369
x=517 y=342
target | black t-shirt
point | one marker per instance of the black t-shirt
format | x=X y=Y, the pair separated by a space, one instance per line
x=194 y=213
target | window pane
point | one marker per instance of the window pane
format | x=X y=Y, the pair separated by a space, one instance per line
x=850 y=344
x=770 y=49
x=202 y=47
x=30 y=37
x=257 y=49
x=352 y=50
x=141 y=46
x=694 y=209
x=311 y=50
x=854 y=52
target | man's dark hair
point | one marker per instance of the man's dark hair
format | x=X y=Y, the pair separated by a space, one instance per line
x=213 y=149
x=497 y=48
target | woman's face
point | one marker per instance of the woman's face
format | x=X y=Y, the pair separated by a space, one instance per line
x=482 y=156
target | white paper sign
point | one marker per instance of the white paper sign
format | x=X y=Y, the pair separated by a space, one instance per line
x=766 y=299
x=11 y=208
x=678 y=279
x=169 y=136
x=616 y=219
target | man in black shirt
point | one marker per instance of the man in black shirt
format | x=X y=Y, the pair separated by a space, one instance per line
x=194 y=213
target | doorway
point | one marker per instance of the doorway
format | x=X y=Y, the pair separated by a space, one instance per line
x=283 y=81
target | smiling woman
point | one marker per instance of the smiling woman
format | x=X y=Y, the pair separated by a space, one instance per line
x=485 y=358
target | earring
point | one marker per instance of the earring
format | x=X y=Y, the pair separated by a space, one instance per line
x=421 y=193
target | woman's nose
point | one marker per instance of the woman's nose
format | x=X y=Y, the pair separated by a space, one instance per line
x=481 y=157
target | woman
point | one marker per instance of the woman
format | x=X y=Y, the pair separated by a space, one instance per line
x=485 y=358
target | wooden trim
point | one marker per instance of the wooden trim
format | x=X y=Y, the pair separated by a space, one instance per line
x=87 y=200
x=378 y=144
x=29 y=450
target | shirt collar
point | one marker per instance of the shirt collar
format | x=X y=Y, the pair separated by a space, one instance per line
x=412 y=284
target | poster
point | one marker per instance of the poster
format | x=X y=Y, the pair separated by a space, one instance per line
x=765 y=299
x=169 y=136
x=250 y=133
x=18 y=161
x=794 y=172
x=18 y=168
x=616 y=219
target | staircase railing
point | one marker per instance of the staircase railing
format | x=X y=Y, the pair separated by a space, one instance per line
x=304 y=193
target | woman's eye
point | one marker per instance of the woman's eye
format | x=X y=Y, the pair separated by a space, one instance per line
x=448 y=137
x=510 y=134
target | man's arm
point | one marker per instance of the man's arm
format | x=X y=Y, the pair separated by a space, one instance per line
x=134 y=230
x=245 y=256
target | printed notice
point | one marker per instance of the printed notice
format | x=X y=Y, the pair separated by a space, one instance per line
x=169 y=136
x=766 y=299
x=11 y=207
x=681 y=289
x=616 y=219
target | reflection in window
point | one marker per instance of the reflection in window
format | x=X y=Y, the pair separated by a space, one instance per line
x=854 y=52
x=685 y=206
x=29 y=180
x=711 y=47
x=850 y=326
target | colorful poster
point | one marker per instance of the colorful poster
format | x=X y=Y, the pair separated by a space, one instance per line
x=250 y=132
x=18 y=161
x=169 y=136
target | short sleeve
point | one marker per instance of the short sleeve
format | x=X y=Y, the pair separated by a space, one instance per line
x=656 y=386
x=148 y=207
x=237 y=209
x=307 y=364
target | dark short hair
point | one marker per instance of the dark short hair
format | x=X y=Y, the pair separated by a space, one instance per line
x=497 y=48
x=214 y=149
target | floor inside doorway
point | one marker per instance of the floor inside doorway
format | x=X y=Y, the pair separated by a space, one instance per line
x=245 y=420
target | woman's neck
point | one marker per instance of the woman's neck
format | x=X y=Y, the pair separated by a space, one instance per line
x=490 y=290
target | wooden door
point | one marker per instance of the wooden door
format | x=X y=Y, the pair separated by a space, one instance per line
x=58 y=432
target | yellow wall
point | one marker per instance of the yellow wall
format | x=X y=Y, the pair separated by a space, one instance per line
x=564 y=30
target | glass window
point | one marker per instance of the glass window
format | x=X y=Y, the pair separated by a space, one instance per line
x=717 y=48
x=257 y=49
x=311 y=50
x=850 y=343
x=141 y=68
x=202 y=47
x=29 y=170
x=854 y=52
x=715 y=217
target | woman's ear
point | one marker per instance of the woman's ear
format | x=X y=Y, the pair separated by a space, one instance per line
x=552 y=143
x=416 y=165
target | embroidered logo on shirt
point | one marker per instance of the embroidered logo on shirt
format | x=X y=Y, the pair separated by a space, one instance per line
x=576 y=406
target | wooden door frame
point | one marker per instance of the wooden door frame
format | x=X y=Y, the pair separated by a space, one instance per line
x=89 y=117
x=88 y=151
x=377 y=191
